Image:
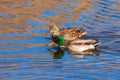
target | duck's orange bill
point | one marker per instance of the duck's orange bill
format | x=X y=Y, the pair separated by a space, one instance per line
x=51 y=44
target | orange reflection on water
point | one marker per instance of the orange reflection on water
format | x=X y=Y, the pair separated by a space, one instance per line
x=20 y=14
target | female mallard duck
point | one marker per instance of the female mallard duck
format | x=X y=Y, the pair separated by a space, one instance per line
x=77 y=45
x=67 y=33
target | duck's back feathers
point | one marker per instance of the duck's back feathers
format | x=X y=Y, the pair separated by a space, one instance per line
x=72 y=33
x=83 y=42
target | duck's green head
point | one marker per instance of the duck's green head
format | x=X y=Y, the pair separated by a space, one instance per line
x=59 y=40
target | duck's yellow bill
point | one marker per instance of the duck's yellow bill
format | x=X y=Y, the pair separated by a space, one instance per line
x=51 y=44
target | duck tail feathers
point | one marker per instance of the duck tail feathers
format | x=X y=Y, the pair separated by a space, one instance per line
x=97 y=43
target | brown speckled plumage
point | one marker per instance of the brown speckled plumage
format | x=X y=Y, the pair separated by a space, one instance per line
x=68 y=33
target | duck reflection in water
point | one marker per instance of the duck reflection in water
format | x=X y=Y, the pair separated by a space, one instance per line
x=85 y=53
x=59 y=54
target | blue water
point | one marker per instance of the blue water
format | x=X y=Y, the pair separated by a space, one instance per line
x=49 y=13
x=26 y=4
x=26 y=60
x=64 y=11
x=5 y=15
x=34 y=23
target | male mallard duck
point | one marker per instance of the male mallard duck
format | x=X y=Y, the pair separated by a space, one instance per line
x=67 y=33
x=76 y=45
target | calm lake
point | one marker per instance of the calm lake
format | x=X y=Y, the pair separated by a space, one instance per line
x=23 y=28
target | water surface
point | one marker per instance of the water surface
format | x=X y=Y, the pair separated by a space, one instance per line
x=24 y=56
